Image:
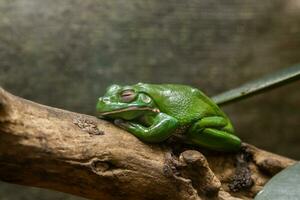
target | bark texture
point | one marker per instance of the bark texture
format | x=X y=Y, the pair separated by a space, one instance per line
x=74 y=153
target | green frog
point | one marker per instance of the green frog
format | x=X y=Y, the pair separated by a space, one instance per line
x=154 y=112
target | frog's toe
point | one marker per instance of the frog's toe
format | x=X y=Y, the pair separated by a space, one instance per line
x=118 y=121
x=121 y=123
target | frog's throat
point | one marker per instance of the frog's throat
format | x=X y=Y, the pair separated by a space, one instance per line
x=129 y=109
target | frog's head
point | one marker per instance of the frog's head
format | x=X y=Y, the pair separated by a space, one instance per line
x=125 y=102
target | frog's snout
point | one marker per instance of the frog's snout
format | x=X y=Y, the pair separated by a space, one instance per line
x=100 y=105
x=103 y=106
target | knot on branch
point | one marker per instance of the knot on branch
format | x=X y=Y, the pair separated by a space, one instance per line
x=98 y=165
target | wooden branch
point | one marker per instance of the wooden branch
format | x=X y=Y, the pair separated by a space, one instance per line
x=82 y=155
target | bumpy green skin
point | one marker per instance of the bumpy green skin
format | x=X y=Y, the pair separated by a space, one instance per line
x=153 y=112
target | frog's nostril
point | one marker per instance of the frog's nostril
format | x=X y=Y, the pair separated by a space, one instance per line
x=105 y=99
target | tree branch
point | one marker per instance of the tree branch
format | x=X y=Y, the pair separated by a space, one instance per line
x=82 y=155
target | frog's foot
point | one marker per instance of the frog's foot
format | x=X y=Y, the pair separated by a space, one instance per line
x=129 y=126
x=121 y=123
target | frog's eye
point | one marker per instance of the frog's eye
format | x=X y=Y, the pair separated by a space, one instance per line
x=145 y=98
x=128 y=95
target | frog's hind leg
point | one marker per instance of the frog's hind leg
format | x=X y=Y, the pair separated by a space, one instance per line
x=218 y=140
x=210 y=132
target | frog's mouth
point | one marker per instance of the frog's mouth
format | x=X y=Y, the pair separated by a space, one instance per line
x=129 y=109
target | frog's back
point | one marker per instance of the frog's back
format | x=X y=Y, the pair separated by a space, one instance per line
x=185 y=103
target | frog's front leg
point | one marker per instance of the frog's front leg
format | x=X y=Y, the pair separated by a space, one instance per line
x=209 y=132
x=161 y=128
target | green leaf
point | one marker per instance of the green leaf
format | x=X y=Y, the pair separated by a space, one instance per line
x=284 y=185
x=267 y=82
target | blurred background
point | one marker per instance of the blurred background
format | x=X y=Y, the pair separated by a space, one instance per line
x=65 y=53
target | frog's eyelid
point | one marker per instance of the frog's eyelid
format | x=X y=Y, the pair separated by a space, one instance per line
x=126 y=90
x=127 y=95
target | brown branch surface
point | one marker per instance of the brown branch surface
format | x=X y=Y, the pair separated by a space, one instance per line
x=82 y=155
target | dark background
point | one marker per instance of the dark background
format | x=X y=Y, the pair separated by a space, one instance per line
x=65 y=53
